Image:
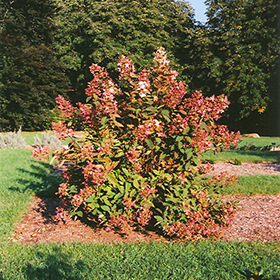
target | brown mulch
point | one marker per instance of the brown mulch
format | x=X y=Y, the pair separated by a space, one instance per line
x=258 y=218
x=39 y=226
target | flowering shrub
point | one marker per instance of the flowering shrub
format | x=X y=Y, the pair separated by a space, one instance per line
x=140 y=161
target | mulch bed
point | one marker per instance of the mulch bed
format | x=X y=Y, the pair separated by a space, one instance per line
x=258 y=218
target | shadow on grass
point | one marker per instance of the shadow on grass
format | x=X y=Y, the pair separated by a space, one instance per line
x=43 y=183
x=54 y=265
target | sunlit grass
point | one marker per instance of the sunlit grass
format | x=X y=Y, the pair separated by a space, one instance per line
x=247 y=155
x=258 y=142
x=194 y=260
x=21 y=177
x=244 y=156
x=255 y=184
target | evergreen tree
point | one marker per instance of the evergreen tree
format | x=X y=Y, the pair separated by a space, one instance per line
x=31 y=77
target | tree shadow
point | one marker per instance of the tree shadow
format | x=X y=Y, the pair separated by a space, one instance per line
x=55 y=265
x=43 y=183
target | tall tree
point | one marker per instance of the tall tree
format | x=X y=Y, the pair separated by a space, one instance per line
x=236 y=54
x=91 y=31
x=31 y=77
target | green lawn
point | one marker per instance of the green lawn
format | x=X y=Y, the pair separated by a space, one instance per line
x=256 y=184
x=195 y=260
x=258 y=142
x=247 y=155
x=22 y=177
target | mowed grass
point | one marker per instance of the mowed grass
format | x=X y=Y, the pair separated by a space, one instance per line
x=248 y=156
x=244 y=156
x=258 y=142
x=194 y=260
x=255 y=184
x=22 y=177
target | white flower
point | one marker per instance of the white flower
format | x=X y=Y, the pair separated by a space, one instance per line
x=142 y=87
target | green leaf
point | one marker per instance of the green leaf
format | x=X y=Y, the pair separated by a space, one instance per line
x=180 y=145
x=149 y=143
x=135 y=183
x=119 y=195
x=189 y=153
x=167 y=118
x=88 y=99
x=126 y=172
x=111 y=194
x=158 y=140
x=90 y=199
x=112 y=179
x=121 y=188
x=117 y=123
x=151 y=109
x=127 y=187
x=104 y=120
x=106 y=201
x=105 y=208
x=196 y=161
x=179 y=138
x=119 y=154
x=159 y=218
x=133 y=192
x=73 y=189
x=79 y=213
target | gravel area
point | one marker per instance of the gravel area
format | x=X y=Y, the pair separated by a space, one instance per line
x=246 y=168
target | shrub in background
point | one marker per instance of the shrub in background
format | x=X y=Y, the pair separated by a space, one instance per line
x=12 y=140
x=140 y=161
x=48 y=140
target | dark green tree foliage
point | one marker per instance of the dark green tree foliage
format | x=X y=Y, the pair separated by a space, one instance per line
x=91 y=31
x=236 y=54
x=31 y=77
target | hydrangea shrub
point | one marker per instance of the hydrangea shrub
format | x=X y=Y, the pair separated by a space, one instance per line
x=139 y=164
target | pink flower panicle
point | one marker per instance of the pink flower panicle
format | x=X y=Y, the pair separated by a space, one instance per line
x=94 y=174
x=124 y=222
x=143 y=215
x=62 y=131
x=160 y=59
x=205 y=108
x=41 y=153
x=86 y=151
x=143 y=85
x=133 y=157
x=66 y=109
x=103 y=90
x=149 y=127
x=62 y=215
x=105 y=149
x=126 y=68
x=175 y=95
x=81 y=197
x=85 y=111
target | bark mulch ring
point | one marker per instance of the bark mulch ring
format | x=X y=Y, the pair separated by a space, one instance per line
x=258 y=218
